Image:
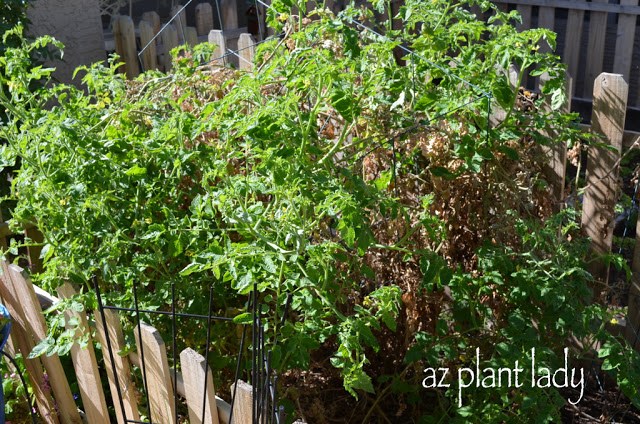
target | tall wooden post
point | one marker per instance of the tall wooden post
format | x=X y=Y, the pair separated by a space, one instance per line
x=609 y=109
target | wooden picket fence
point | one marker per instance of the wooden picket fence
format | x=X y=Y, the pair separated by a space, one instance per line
x=595 y=36
x=49 y=380
x=155 y=41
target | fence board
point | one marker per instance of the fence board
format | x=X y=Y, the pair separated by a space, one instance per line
x=216 y=37
x=242 y=409
x=609 y=108
x=193 y=371
x=573 y=4
x=150 y=55
x=86 y=367
x=573 y=41
x=595 y=48
x=555 y=170
x=191 y=36
x=22 y=340
x=525 y=14
x=546 y=19
x=204 y=18
x=154 y=19
x=624 y=42
x=33 y=252
x=229 y=10
x=125 y=39
x=158 y=375
x=180 y=22
x=169 y=42
x=36 y=325
x=632 y=330
x=247 y=51
x=123 y=370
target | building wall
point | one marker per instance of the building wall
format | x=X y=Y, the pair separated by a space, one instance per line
x=75 y=23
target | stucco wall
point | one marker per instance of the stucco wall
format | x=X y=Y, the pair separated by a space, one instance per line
x=77 y=24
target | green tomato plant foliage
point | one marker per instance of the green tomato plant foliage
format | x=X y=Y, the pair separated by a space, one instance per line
x=214 y=177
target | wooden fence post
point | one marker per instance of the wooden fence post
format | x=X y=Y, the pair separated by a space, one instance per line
x=216 y=37
x=125 y=40
x=86 y=367
x=127 y=389
x=169 y=42
x=24 y=343
x=243 y=407
x=204 y=18
x=150 y=55
x=158 y=377
x=609 y=109
x=36 y=326
x=247 y=51
x=193 y=366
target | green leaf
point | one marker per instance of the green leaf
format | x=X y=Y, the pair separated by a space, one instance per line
x=439 y=171
x=362 y=381
x=40 y=348
x=245 y=318
x=136 y=171
x=191 y=268
x=268 y=264
x=509 y=152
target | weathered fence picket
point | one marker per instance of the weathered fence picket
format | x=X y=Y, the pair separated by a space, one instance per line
x=158 y=379
x=37 y=328
x=246 y=51
x=193 y=372
x=583 y=28
x=86 y=366
x=217 y=37
x=124 y=383
x=169 y=42
x=204 y=18
x=149 y=55
x=125 y=40
x=156 y=55
x=23 y=341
